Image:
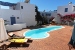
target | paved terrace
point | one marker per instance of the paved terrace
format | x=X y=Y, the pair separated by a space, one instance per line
x=57 y=40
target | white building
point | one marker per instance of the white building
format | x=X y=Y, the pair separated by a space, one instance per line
x=66 y=9
x=20 y=13
x=50 y=14
x=62 y=10
x=47 y=15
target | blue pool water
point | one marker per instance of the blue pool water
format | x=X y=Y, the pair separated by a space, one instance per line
x=41 y=32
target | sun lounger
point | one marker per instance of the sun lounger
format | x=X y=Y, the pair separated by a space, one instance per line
x=13 y=36
x=19 y=41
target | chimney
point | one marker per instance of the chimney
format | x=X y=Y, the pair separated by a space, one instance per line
x=70 y=3
x=26 y=1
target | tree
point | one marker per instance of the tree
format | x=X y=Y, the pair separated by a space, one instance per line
x=38 y=17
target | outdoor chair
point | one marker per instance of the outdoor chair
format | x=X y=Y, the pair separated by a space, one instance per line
x=20 y=37
x=15 y=39
x=13 y=36
x=19 y=41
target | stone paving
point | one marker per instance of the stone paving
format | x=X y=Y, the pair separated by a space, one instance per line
x=57 y=40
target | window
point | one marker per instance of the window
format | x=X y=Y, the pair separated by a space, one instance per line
x=66 y=9
x=73 y=8
x=21 y=7
x=46 y=14
x=17 y=17
x=42 y=14
x=49 y=14
x=55 y=10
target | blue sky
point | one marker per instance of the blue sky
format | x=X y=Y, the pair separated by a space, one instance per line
x=45 y=4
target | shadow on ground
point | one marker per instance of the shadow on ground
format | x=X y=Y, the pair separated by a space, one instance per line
x=31 y=27
x=36 y=27
x=15 y=45
x=29 y=41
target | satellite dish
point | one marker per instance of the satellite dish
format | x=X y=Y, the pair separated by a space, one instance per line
x=27 y=1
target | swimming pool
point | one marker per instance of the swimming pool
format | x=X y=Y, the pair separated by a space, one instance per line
x=41 y=33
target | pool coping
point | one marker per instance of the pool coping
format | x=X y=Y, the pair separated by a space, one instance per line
x=46 y=33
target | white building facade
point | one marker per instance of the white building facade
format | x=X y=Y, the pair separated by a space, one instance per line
x=50 y=14
x=21 y=13
x=66 y=9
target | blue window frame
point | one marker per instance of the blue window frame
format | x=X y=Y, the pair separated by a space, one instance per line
x=48 y=14
x=73 y=8
x=66 y=9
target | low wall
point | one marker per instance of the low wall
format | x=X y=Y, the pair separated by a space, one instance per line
x=22 y=25
x=15 y=27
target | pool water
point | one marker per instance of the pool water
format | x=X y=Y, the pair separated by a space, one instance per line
x=41 y=33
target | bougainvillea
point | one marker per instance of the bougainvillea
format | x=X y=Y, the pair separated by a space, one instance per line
x=67 y=17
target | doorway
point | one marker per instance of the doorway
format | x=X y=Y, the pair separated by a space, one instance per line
x=13 y=20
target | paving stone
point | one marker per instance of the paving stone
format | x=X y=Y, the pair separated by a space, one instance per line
x=57 y=40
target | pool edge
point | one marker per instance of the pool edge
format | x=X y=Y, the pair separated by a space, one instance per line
x=44 y=37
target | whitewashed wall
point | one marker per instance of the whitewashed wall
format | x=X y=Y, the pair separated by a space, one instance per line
x=28 y=14
x=7 y=13
x=53 y=14
x=61 y=9
x=57 y=18
x=17 y=7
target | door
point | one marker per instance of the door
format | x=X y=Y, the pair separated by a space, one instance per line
x=13 y=20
